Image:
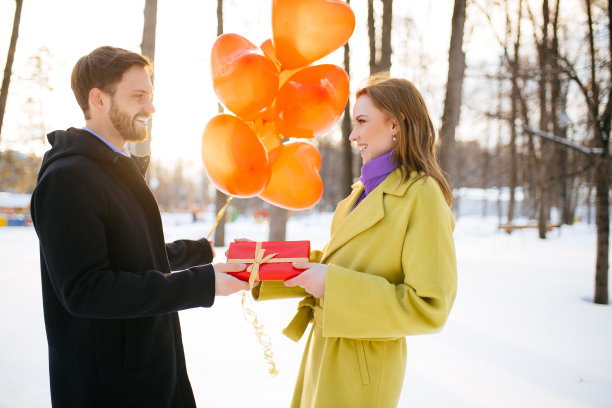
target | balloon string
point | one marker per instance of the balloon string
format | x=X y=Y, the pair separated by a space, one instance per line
x=263 y=339
x=219 y=216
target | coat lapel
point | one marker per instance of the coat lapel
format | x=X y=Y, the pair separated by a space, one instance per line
x=369 y=212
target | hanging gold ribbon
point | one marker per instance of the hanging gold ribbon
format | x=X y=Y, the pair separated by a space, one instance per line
x=260 y=259
x=264 y=340
x=219 y=216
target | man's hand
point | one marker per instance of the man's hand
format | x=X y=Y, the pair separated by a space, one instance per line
x=312 y=279
x=212 y=248
x=226 y=284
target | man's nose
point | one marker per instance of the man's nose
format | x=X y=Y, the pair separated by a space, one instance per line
x=149 y=108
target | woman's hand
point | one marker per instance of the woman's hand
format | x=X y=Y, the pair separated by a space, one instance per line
x=239 y=240
x=312 y=279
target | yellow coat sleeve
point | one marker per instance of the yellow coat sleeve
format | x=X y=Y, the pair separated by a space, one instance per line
x=269 y=290
x=361 y=304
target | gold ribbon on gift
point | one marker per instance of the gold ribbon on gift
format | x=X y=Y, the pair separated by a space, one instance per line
x=260 y=259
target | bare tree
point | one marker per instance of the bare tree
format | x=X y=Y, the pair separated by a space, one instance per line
x=220 y=198
x=454 y=84
x=600 y=124
x=35 y=78
x=380 y=53
x=514 y=68
x=558 y=102
x=147 y=47
x=6 y=79
x=347 y=156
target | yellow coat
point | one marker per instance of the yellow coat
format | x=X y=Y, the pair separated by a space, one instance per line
x=391 y=273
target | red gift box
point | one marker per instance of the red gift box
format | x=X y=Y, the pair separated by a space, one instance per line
x=269 y=261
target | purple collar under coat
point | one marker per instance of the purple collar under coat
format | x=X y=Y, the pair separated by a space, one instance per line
x=374 y=172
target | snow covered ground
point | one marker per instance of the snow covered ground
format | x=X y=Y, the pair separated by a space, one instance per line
x=523 y=333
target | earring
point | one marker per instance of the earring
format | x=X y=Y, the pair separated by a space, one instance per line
x=394 y=138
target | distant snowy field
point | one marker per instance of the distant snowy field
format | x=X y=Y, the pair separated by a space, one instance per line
x=523 y=332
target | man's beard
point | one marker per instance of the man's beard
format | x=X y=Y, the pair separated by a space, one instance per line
x=126 y=126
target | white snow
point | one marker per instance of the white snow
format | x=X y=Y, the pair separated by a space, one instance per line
x=523 y=332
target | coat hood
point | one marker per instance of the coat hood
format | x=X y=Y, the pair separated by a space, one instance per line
x=79 y=142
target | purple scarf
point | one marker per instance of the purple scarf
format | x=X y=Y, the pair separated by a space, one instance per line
x=374 y=172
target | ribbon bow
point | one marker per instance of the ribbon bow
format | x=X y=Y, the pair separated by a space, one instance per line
x=259 y=259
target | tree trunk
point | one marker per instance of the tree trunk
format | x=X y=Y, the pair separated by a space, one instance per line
x=602 y=218
x=513 y=136
x=372 y=37
x=545 y=147
x=602 y=202
x=382 y=50
x=6 y=79
x=559 y=127
x=454 y=84
x=385 y=41
x=147 y=47
x=278 y=224
x=347 y=151
x=220 y=198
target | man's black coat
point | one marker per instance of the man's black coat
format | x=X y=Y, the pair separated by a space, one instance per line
x=110 y=301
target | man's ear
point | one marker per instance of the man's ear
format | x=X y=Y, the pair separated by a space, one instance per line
x=96 y=99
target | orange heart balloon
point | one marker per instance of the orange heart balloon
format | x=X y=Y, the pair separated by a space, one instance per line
x=234 y=158
x=311 y=101
x=283 y=75
x=267 y=133
x=295 y=183
x=305 y=30
x=269 y=51
x=245 y=80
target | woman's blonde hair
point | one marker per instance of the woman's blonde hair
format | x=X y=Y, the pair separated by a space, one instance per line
x=415 y=149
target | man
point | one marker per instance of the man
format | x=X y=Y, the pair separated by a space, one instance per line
x=110 y=301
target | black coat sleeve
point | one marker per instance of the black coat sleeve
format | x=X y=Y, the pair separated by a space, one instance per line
x=185 y=253
x=70 y=214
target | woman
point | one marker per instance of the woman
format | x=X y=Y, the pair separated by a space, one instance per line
x=389 y=268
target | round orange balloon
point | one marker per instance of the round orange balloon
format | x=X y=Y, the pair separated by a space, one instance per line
x=304 y=31
x=295 y=183
x=234 y=158
x=311 y=101
x=245 y=80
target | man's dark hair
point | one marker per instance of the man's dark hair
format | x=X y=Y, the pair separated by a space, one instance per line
x=103 y=68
